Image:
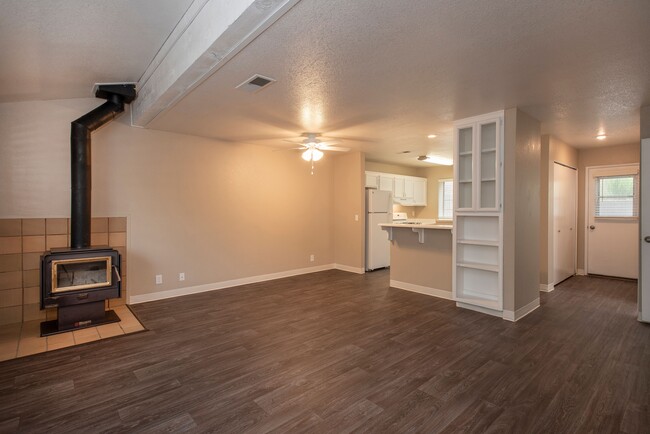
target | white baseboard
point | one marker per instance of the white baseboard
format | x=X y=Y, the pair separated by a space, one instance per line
x=546 y=287
x=349 y=269
x=480 y=309
x=521 y=312
x=580 y=272
x=170 y=293
x=440 y=293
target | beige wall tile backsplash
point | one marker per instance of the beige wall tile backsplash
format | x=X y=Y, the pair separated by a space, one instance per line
x=23 y=241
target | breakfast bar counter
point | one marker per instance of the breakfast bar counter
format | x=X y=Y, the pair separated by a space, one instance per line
x=421 y=257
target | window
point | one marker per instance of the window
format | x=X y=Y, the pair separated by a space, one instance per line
x=445 y=199
x=617 y=196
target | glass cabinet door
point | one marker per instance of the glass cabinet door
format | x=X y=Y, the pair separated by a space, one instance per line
x=488 y=186
x=465 y=166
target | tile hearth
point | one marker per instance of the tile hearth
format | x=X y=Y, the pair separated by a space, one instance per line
x=23 y=339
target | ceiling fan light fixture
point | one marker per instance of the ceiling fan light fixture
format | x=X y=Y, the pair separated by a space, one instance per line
x=312 y=154
x=436 y=160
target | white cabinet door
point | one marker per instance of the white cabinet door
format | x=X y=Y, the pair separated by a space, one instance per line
x=372 y=180
x=399 y=192
x=408 y=187
x=386 y=182
x=420 y=191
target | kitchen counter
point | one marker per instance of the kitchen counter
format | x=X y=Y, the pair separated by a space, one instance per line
x=421 y=257
x=415 y=225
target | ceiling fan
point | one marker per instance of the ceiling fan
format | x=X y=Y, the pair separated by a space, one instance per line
x=313 y=145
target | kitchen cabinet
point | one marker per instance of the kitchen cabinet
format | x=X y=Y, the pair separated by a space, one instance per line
x=372 y=180
x=420 y=191
x=406 y=190
x=478 y=216
x=386 y=182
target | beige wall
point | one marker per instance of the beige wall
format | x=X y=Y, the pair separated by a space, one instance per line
x=216 y=211
x=552 y=150
x=349 y=210
x=374 y=166
x=521 y=209
x=602 y=156
x=433 y=175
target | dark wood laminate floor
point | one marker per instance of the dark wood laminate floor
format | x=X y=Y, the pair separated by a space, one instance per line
x=339 y=352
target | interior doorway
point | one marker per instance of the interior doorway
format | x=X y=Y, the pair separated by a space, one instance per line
x=565 y=189
x=612 y=226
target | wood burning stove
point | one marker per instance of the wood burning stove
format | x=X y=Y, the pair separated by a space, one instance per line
x=77 y=281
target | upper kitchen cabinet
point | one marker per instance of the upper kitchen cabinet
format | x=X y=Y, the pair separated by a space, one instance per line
x=477 y=148
x=406 y=190
x=372 y=180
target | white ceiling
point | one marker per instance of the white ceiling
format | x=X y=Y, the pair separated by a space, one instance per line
x=381 y=74
x=59 y=49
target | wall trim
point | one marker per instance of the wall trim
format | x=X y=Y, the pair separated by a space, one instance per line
x=580 y=272
x=440 y=293
x=357 y=270
x=171 y=293
x=546 y=287
x=509 y=315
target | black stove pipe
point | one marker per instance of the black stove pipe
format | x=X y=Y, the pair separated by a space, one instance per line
x=80 y=147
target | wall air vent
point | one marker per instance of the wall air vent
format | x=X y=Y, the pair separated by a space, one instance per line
x=255 y=83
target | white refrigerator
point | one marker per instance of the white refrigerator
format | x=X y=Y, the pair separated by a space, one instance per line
x=379 y=209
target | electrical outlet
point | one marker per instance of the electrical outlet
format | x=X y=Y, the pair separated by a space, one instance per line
x=181 y=277
x=158 y=279
x=311 y=258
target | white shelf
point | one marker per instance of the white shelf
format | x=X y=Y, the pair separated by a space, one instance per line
x=479 y=242
x=489 y=150
x=475 y=266
x=488 y=180
x=465 y=181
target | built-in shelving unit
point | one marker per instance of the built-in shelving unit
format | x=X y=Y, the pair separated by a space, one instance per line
x=478 y=219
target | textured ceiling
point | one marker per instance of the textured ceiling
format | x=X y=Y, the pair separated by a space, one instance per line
x=59 y=49
x=392 y=72
x=381 y=74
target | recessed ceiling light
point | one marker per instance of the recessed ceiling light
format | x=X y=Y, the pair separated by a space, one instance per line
x=431 y=136
x=601 y=136
x=436 y=160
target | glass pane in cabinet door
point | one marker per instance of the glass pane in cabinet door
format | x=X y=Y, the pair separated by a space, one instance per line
x=488 y=136
x=465 y=140
x=488 y=194
x=488 y=165
x=465 y=168
x=465 y=195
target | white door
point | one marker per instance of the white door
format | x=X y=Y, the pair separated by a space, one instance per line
x=565 y=187
x=612 y=221
x=644 y=282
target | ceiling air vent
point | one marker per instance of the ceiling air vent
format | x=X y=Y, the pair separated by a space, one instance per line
x=255 y=83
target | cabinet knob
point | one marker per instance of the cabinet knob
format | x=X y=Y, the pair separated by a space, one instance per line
x=647 y=239
x=592 y=227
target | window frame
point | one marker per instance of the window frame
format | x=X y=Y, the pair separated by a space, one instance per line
x=635 y=197
x=441 y=199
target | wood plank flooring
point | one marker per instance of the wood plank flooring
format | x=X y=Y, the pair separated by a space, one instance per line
x=339 y=352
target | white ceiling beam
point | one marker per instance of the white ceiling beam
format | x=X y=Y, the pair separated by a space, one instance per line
x=209 y=34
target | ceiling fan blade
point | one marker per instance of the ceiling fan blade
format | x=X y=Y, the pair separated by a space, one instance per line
x=300 y=148
x=334 y=148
